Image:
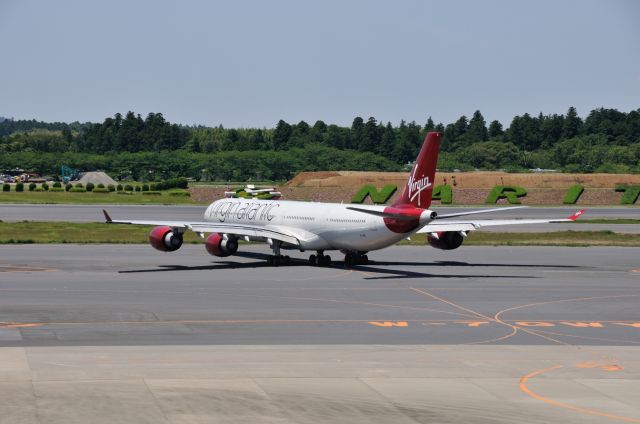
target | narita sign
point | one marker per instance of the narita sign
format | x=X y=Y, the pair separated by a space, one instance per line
x=512 y=194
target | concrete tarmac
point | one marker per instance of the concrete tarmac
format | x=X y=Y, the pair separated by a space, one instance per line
x=114 y=333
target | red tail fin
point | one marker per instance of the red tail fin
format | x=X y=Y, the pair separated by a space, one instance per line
x=419 y=187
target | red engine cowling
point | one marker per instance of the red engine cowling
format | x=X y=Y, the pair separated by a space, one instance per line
x=447 y=240
x=165 y=239
x=217 y=245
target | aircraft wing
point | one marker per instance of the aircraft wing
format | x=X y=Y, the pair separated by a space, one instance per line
x=272 y=232
x=466 y=226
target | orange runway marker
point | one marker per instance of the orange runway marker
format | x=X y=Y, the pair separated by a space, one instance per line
x=529 y=392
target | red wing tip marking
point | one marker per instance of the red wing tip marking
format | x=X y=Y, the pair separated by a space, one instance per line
x=106 y=215
x=577 y=215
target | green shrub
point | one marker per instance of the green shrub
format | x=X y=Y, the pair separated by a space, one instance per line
x=443 y=193
x=153 y=186
x=6 y=187
x=39 y=189
x=57 y=184
x=32 y=186
x=68 y=187
x=630 y=195
x=77 y=189
x=573 y=194
x=111 y=188
x=137 y=188
x=56 y=189
x=151 y=193
x=79 y=185
x=145 y=187
x=119 y=187
x=100 y=190
x=90 y=186
x=128 y=187
x=172 y=183
x=20 y=187
x=45 y=186
x=377 y=197
x=181 y=193
x=124 y=192
x=100 y=185
x=511 y=193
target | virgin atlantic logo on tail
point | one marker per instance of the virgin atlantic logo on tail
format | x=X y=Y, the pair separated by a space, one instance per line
x=416 y=186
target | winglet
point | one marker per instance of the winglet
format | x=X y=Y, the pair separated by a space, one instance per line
x=576 y=215
x=106 y=216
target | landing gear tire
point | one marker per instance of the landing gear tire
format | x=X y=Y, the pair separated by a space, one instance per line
x=313 y=260
x=349 y=260
x=326 y=260
x=278 y=260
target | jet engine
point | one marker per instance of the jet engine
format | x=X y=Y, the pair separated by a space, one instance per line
x=446 y=240
x=165 y=239
x=217 y=245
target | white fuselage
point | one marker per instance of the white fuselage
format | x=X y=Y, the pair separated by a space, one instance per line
x=318 y=226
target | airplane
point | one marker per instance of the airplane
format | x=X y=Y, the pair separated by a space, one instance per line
x=351 y=229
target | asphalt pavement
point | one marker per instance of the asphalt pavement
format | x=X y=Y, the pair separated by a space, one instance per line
x=122 y=333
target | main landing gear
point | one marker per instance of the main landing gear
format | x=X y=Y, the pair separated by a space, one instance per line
x=355 y=258
x=277 y=259
x=320 y=260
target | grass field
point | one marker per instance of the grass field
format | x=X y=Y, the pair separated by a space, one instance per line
x=136 y=198
x=64 y=232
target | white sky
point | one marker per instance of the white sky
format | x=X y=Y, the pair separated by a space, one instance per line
x=250 y=63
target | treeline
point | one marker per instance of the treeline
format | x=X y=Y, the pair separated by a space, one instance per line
x=607 y=140
x=10 y=126
x=220 y=166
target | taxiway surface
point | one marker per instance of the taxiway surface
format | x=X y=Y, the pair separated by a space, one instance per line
x=105 y=333
x=93 y=213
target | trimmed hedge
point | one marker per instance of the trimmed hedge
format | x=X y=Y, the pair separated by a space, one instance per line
x=45 y=186
x=137 y=188
x=145 y=187
x=172 y=183
x=181 y=193
x=100 y=190
x=111 y=188
x=573 y=194
x=57 y=184
x=119 y=187
x=511 y=193
x=68 y=187
x=443 y=193
x=128 y=187
x=630 y=195
x=32 y=186
x=90 y=186
x=56 y=189
x=77 y=189
x=377 y=197
x=19 y=187
x=151 y=193
x=79 y=185
x=6 y=187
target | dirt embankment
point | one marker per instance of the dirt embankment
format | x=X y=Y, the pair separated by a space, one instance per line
x=483 y=180
x=468 y=187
